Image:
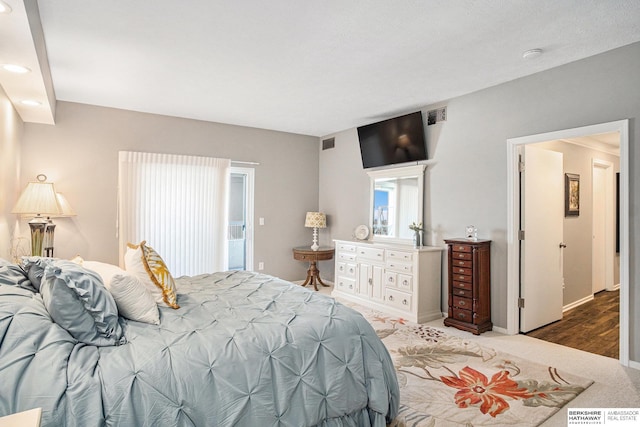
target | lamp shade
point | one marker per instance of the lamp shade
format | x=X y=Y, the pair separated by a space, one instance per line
x=65 y=207
x=38 y=198
x=315 y=220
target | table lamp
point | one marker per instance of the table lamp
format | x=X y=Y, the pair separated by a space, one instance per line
x=65 y=211
x=38 y=198
x=315 y=220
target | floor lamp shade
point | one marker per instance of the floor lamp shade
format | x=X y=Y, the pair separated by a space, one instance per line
x=315 y=220
x=38 y=199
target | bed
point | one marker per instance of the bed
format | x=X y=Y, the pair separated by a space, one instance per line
x=243 y=349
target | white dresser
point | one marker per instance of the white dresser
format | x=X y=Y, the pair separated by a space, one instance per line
x=397 y=279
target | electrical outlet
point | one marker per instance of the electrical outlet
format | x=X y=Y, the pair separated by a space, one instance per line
x=261 y=265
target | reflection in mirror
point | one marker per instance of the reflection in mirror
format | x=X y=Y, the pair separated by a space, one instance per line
x=396 y=202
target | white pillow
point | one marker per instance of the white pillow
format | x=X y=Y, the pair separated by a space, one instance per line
x=132 y=297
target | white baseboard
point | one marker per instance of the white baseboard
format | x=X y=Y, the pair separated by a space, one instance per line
x=614 y=288
x=500 y=330
x=634 y=365
x=577 y=303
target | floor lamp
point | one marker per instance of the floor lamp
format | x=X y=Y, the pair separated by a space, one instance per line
x=38 y=199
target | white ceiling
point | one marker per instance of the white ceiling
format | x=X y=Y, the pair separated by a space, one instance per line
x=298 y=66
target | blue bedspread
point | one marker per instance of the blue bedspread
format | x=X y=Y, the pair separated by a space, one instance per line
x=244 y=349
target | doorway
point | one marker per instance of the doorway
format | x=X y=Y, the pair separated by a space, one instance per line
x=513 y=237
x=240 y=227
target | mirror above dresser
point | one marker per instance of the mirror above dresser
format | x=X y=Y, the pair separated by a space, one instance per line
x=396 y=201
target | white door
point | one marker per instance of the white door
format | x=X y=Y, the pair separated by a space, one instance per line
x=542 y=216
x=598 y=269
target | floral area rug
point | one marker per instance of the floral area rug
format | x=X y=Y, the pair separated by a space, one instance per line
x=448 y=380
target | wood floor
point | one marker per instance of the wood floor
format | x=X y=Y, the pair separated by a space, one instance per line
x=592 y=327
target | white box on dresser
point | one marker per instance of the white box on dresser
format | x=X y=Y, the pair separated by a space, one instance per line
x=397 y=279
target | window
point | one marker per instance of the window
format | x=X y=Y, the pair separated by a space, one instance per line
x=179 y=205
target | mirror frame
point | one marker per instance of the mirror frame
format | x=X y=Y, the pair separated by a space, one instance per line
x=402 y=172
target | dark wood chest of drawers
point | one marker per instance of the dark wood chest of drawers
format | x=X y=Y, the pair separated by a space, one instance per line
x=469 y=285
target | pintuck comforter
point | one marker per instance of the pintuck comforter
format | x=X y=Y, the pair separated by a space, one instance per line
x=244 y=349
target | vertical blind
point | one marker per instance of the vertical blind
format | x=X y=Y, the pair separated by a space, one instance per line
x=178 y=204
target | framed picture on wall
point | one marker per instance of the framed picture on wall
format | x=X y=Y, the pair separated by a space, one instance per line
x=571 y=194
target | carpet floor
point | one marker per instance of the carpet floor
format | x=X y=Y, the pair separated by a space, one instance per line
x=614 y=386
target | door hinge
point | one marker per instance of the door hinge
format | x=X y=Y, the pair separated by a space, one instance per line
x=520 y=302
x=520 y=164
x=521 y=235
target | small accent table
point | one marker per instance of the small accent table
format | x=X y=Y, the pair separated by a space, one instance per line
x=312 y=257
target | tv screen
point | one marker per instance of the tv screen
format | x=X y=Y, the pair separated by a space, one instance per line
x=392 y=141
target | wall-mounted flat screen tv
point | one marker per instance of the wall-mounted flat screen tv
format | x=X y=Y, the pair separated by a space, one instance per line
x=393 y=141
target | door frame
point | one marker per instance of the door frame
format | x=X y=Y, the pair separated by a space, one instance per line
x=513 y=220
x=609 y=218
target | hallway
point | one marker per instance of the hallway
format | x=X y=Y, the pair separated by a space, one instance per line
x=592 y=327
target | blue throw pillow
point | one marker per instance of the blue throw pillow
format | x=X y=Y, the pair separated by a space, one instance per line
x=34 y=267
x=78 y=301
x=14 y=275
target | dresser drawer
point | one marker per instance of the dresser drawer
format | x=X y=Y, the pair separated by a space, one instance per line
x=346 y=269
x=462 y=263
x=345 y=247
x=462 y=292
x=462 y=278
x=346 y=285
x=462 y=248
x=398 y=280
x=398 y=299
x=399 y=256
x=464 y=303
x=346 y=256
x=464 y=315
x=399 y=266
x=462 y=285
x=371 y=253
x=460 y=270
x=462 y=255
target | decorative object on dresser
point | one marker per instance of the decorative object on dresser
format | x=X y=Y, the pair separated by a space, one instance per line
x=397 y=279
x=315 y=220
x=312 y=256
x=39 y=200
x=469 y=285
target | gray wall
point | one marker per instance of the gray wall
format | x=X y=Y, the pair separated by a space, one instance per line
x=577 y=229
x=468 y=183
x=80 y=155
x=11 y=129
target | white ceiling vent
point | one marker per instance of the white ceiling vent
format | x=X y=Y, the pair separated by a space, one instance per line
x=436 y=116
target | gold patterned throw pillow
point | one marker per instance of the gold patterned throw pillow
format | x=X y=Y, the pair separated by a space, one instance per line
x=149 y=267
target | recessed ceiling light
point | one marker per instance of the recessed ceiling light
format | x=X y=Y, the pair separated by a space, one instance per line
x=14 y=68
x=4 y=8
x=532 y=53
x=30 y=102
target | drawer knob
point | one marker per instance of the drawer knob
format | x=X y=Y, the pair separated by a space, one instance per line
x=462 y=303
x=405 y=282
x=462 y=315
x=404 y=301
x=350 y=286
x=390 y=279
x=351 y=270
x=390 y=297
